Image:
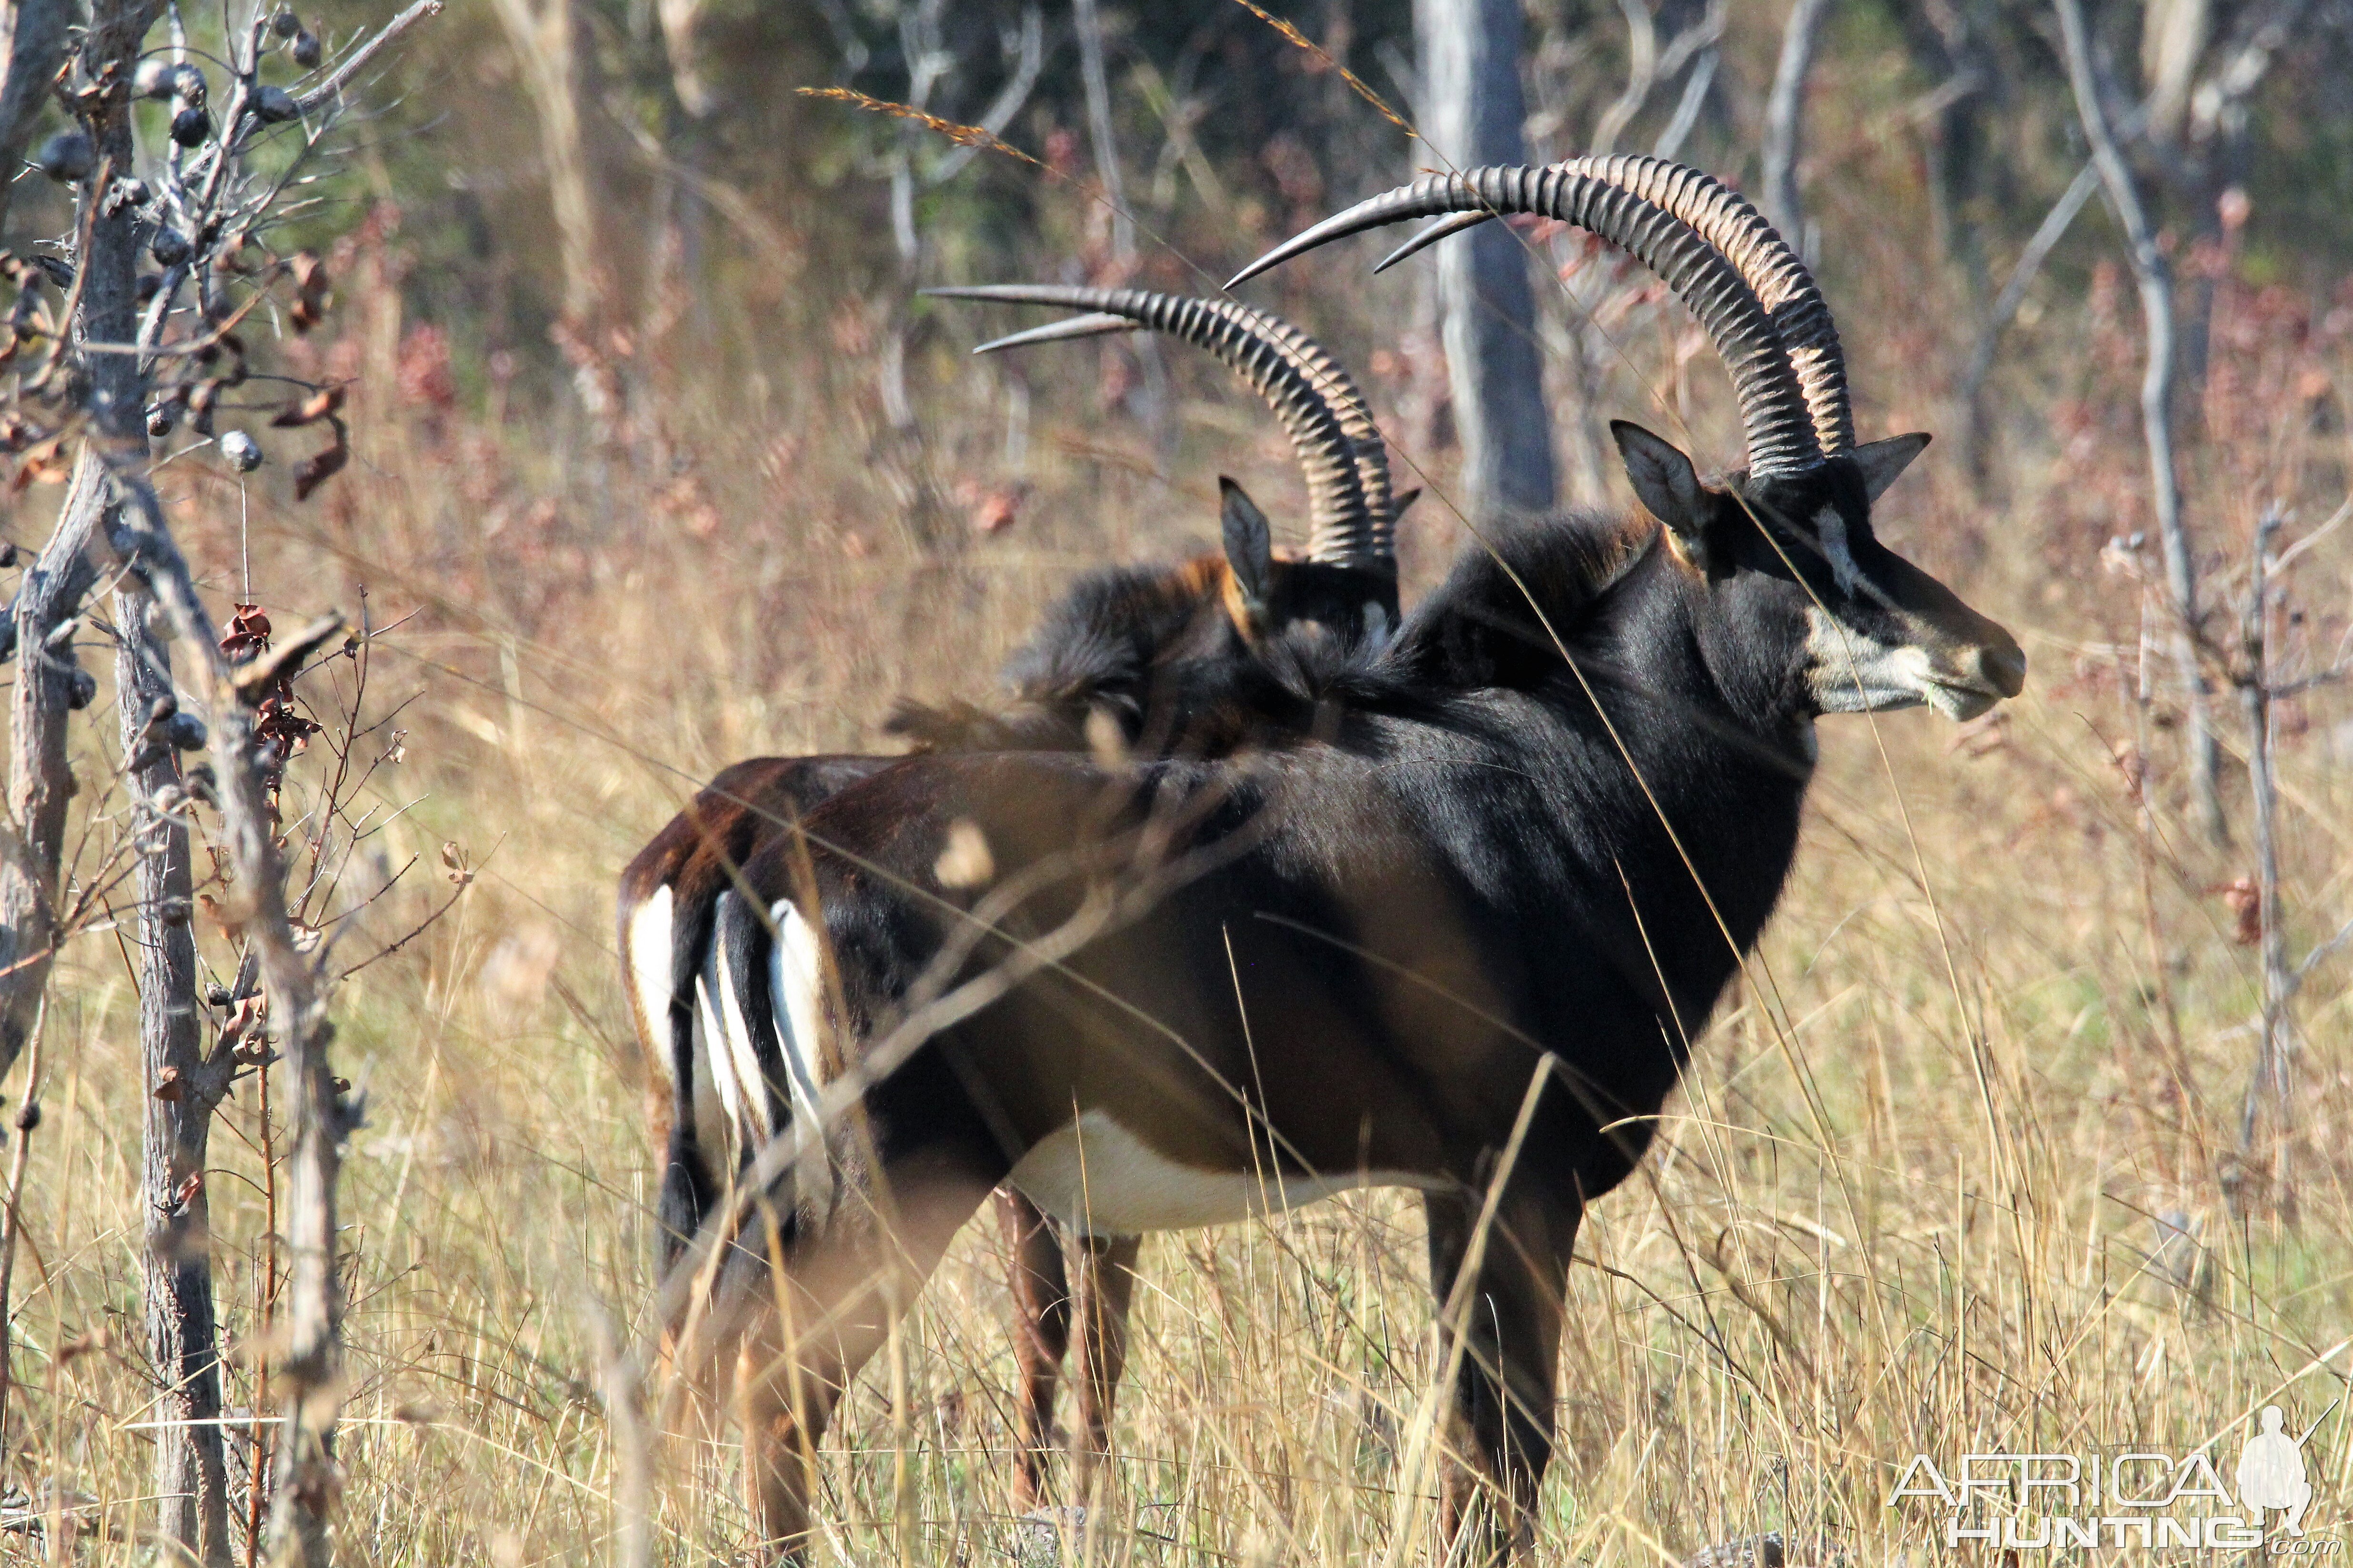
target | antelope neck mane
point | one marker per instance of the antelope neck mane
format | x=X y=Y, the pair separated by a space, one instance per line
x=1510 y=604
x=1102 y=645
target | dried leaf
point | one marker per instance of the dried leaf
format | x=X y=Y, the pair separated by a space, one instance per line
x=2245 y=901
x=44 y=463
x=168 y=1086
x=309 y=410
x=320 y=466
x=84 y=1344
x=313 y=294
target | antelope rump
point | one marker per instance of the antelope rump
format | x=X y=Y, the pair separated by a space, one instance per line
x=1185 y=659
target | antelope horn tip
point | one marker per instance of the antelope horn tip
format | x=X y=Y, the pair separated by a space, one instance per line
x=1455 y=223
x=1087 y=326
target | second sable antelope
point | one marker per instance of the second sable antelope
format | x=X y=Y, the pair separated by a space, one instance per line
x=1190 y=658
x=1459 y=944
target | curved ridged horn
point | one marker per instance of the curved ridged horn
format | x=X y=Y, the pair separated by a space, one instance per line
x=1714 y=249
x=1351 y=516
x=1774 y=273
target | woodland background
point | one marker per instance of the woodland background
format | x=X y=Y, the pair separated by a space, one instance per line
x=2030 y=1133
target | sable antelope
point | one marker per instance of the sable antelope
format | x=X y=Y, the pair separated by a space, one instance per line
x=1458 y=945
x=1185 y=658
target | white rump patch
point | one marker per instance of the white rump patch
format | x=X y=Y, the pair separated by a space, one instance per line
x=795 y=976
x=648 y=971
x=1831 y=529
x=715 y=1088
x=735 y=1060
x=1101 y=1179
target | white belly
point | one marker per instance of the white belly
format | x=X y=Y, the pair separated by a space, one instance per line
x=1100 y=1179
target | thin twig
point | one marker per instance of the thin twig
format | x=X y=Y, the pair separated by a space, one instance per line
x=358 y=58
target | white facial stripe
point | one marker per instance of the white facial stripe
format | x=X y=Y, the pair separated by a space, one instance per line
x=1831 y=529
x=1851 y=673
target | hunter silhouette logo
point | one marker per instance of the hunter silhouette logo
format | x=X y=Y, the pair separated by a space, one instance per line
x=2152 y=1500
x=2271 y=1471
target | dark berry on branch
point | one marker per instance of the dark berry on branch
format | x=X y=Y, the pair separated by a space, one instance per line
x=275 y=105
x=154 y=79
x=82 y=691
x=185 y=732
x=189 y=83
x=243 y=452
x=191 y=126
x=169 y=246
x=66 y=157
x=308 y=50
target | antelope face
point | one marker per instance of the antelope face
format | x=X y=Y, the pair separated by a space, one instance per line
x=1877 y=632
x=1265 y=594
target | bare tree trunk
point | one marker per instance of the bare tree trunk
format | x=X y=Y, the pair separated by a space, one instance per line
x=1976 y=447
x=49 y=683
x=2213 y=159
x=681 y=26
x=2269 y=1089
x=308 y=1483
x=1089 y=22
x=308 y=1370
x=1153 y=402
x=32 y=47
x=1473 y=110
x=551 y=41
x=2155 y=280
x=49 y=686
x=1785 y=118
x=12 y=1224
x=191 y=1481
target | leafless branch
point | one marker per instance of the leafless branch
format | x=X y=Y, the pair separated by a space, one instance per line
x=2153 y=278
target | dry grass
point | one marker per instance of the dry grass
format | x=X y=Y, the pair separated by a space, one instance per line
x=1905 y=1202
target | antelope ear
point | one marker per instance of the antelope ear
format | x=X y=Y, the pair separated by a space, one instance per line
x=1398 y=507
x=1664 y=481
x=1250 y=543
x=1881 y=461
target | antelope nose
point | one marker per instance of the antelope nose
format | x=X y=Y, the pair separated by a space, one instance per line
x=2003 y=668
